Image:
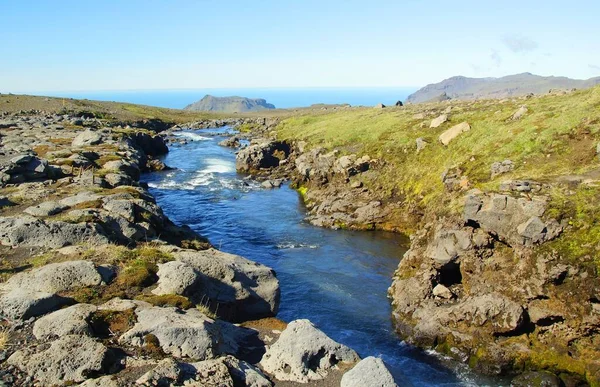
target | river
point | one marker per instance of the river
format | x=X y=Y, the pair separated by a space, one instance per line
x=337 y=279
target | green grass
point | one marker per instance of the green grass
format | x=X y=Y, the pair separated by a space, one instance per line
x=558 y=136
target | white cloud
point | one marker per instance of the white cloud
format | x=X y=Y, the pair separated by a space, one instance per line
x=520 y=44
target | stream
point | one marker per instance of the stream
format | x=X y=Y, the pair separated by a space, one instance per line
x=337 y=279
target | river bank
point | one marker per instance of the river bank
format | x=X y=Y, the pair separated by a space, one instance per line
x=498 y=197
x=99 y=287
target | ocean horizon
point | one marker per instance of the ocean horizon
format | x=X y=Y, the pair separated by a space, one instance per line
x=283 y=98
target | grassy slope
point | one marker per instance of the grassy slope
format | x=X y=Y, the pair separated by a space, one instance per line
x=557 y=137
x=130 y=112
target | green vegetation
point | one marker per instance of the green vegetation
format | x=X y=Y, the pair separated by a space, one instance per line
x=556 y=137
x=109 y=323
x=173 y=300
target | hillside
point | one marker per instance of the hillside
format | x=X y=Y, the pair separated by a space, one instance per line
x=500 y=199
x=229 y=104
x=510 y=86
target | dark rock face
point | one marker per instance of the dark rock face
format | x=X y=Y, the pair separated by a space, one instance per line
x=483 y=291
x=266 y=154
x=516 y=221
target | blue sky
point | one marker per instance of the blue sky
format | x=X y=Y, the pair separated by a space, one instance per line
x=133 y=44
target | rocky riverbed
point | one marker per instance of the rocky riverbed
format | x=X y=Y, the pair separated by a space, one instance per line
x=100 y=288
x=482 y=286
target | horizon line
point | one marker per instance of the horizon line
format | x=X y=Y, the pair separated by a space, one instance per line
x=37 y=92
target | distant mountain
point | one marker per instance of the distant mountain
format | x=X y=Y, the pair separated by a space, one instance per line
x=229 y=104
x=485 y=88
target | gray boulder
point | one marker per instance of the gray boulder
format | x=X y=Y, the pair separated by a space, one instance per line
x=370 y=371
x=87 y=138
x=48 y=208
x=241 y=288
x=515 y=220
x=55 y=277
x=167 y=372
x=81 y=197
x=29 y=231
x=69 y=359
x=123 y=166
x=69 y=321
x=211 y=373
x=180 y=334
x=501 y=167
x=22 y=304
x=304 y=353
x=103 y=381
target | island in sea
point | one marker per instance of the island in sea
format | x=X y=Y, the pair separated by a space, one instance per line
x=229 y=104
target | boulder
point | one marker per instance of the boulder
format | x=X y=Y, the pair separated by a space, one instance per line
x=501 y=167
x=421 y=144
x=117 y=179
x=515 y=220
x=71 y=358
x=180 y=334
x=69 y=321
x=454 y=132
x=22 y=304
x=370 y=371
x=263 y=155
x=103 y=381
x=29 y=231
x=166 y=373
x=87 y=138
x=241 y=288
x=437 y=122
x=272 y=183
x=304 y=353
x=536 y=379
x=48 y=208
x=245 y=374
x=120 y=305
x=232 y=142
x=81 y=197
x=123 y=166
x=211 y=373
x=519 y=113
x=442 y=292
x=55 y=277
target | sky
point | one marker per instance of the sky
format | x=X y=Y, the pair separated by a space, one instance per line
x=64 y=45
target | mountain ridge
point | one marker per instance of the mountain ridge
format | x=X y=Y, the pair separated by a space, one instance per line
x=461 y=87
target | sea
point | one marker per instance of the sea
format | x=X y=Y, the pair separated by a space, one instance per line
x=283 y=98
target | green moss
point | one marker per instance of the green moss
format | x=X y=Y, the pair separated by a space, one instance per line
x=303 y=190
x=138 y=273
x=167 y=300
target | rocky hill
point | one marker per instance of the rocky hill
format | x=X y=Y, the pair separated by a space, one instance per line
x=485 y=88
x=229 y=104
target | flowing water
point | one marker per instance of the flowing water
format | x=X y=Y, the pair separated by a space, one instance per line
x=336 y=279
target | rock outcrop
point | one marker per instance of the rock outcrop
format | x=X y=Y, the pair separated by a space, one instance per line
x=304 y=353
x=237 y=288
